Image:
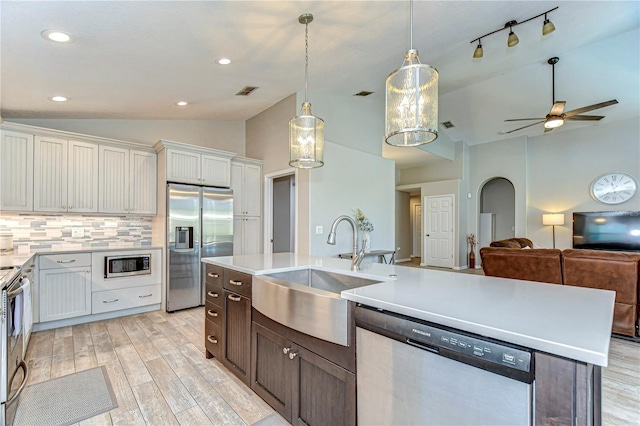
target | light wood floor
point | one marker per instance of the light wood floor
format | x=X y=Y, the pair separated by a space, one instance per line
x=160 y=376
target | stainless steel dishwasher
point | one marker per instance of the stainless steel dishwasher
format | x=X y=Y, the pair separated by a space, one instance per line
x=410 y=372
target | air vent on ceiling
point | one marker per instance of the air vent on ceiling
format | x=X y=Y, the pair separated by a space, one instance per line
x=447 y=124
x=246 y=91
x=363 y=93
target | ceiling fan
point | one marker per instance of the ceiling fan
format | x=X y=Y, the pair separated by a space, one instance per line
x=557 y=116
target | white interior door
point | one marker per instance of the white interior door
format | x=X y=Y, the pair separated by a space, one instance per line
x=417 y=230
x=439 y=231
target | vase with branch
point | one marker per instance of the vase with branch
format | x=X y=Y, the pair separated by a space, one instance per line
x=366 y=226
x=472 y=254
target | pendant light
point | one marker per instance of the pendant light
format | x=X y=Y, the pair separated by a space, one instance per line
x=547 y=26
x=512 y=40
x=306 y=132
x=412 y=101
x=478 y=53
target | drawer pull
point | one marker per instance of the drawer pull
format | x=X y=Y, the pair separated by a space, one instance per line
x=212 y=275
x=212 y=294
x=292 y=355
x=211 y=313
x=234 y=298
x=285 y=350
x=146 y=295
x=234 y=282
x=212 y=339
x=66 y=261
x=110 y=301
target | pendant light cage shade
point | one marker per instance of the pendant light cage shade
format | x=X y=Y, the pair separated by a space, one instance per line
x=412 y=104
x=306 y=140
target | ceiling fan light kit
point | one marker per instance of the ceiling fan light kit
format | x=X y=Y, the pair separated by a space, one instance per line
x=512 y=39
x=557 y=116
x=306 y=132
x=411 y=109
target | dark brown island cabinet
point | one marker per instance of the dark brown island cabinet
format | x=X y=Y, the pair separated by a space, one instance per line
x=228 y=319
x=307 y=380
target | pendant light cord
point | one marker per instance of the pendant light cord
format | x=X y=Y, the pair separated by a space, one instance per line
x=306 y=59
x=411 y=25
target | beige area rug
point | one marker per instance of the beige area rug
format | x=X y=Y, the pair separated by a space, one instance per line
x=66 y=400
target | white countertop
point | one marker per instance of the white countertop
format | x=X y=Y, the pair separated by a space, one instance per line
x=19 y=258
x=568 y=321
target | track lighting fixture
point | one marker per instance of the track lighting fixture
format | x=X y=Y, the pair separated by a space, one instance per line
x=512 y=40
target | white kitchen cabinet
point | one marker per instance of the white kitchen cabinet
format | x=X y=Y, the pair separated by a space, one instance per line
x=64 y=286
x=246 y=235
x=246 y=183
x=16 y=171
x=127 y=181
x=65 y=176
x=198 y=168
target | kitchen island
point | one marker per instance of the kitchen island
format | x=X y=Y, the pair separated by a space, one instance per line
x=568 y=328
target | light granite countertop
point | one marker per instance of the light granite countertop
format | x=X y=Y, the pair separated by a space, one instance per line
x=572 y=322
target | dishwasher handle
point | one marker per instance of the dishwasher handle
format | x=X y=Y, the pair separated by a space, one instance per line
x=423 y=346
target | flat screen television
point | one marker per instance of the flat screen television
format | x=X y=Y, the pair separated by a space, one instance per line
x=607 y=230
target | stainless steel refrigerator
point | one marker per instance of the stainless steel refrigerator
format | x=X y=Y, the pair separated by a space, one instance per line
x=200 y=224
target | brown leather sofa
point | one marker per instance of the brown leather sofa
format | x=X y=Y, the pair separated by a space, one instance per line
x=617 y=271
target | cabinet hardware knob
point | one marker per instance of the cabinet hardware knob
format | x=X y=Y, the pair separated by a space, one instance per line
x=292 y=355
x=212 y=294
x=64 y=207
x=66 y=261
x=70 y=207
x=234 y=298
x=110 y=301
x=212 y=339
x=234 y=282
x=285 y=350
x=211 y=313
x=146 y=295
x=212 y=275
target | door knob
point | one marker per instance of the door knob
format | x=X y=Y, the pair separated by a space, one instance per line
x=427 y=235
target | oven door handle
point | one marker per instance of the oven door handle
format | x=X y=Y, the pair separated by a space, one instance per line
x=11 y=294
x=25 y=368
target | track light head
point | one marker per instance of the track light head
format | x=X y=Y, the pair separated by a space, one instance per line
x=547 y=26
x=478 y=52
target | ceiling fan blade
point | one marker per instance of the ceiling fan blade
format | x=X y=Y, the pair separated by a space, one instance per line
x=524 y=119
x=585 y=117
x=546 y=130
x=557 y=108
x=589 y=108
x=520 y=128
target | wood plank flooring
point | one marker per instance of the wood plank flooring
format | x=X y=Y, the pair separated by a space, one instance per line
x=160 y=376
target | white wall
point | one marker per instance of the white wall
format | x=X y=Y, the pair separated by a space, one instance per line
x=498 y=197
x=351 y=179
x=224 y=135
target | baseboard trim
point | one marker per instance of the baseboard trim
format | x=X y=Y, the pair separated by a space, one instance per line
x=403 y=260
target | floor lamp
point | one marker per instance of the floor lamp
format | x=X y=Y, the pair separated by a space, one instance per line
x=553 y=219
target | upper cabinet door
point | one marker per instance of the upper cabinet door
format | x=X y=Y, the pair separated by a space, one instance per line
x=215 y=171
x=114 y=180
x=143 y=182
x=50 y=175
x=82 y=193
x=251 y=196
x=183 y=167
x=237 y=173
x=16 y=171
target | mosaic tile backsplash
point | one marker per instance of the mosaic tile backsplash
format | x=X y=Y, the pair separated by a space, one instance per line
x=32 y=232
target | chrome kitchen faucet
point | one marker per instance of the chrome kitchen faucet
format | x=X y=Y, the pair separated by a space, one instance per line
x=356 y=256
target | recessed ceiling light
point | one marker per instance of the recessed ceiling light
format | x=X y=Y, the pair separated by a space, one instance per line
x=57 y=36
x=59 y=99
x=181 y=103
x=223 y=61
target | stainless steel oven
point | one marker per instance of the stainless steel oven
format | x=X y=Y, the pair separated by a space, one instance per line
x=126 y=266
x=14 y=370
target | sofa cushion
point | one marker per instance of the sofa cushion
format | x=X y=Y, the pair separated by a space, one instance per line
x=542 y=265
x=513 y=243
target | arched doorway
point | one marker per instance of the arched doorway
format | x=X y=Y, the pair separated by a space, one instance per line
x=497 y=211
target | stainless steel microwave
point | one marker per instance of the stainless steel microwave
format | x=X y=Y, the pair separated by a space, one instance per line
x=125 y=266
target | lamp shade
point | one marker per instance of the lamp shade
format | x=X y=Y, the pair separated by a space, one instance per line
x=513 y=39
x=412 y=103
x=547 y=27
x=306 y=140
x=553 y=219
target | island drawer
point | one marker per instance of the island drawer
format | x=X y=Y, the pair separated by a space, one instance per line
x=214 y=274
x=214 y=295
x=70 y=260
x=237 y=282
x=213 y=339
x=214 y=313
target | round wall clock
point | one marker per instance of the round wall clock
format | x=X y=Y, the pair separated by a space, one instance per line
x=614 y=188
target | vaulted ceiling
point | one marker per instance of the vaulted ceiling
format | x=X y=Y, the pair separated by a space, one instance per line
x=136 y=59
